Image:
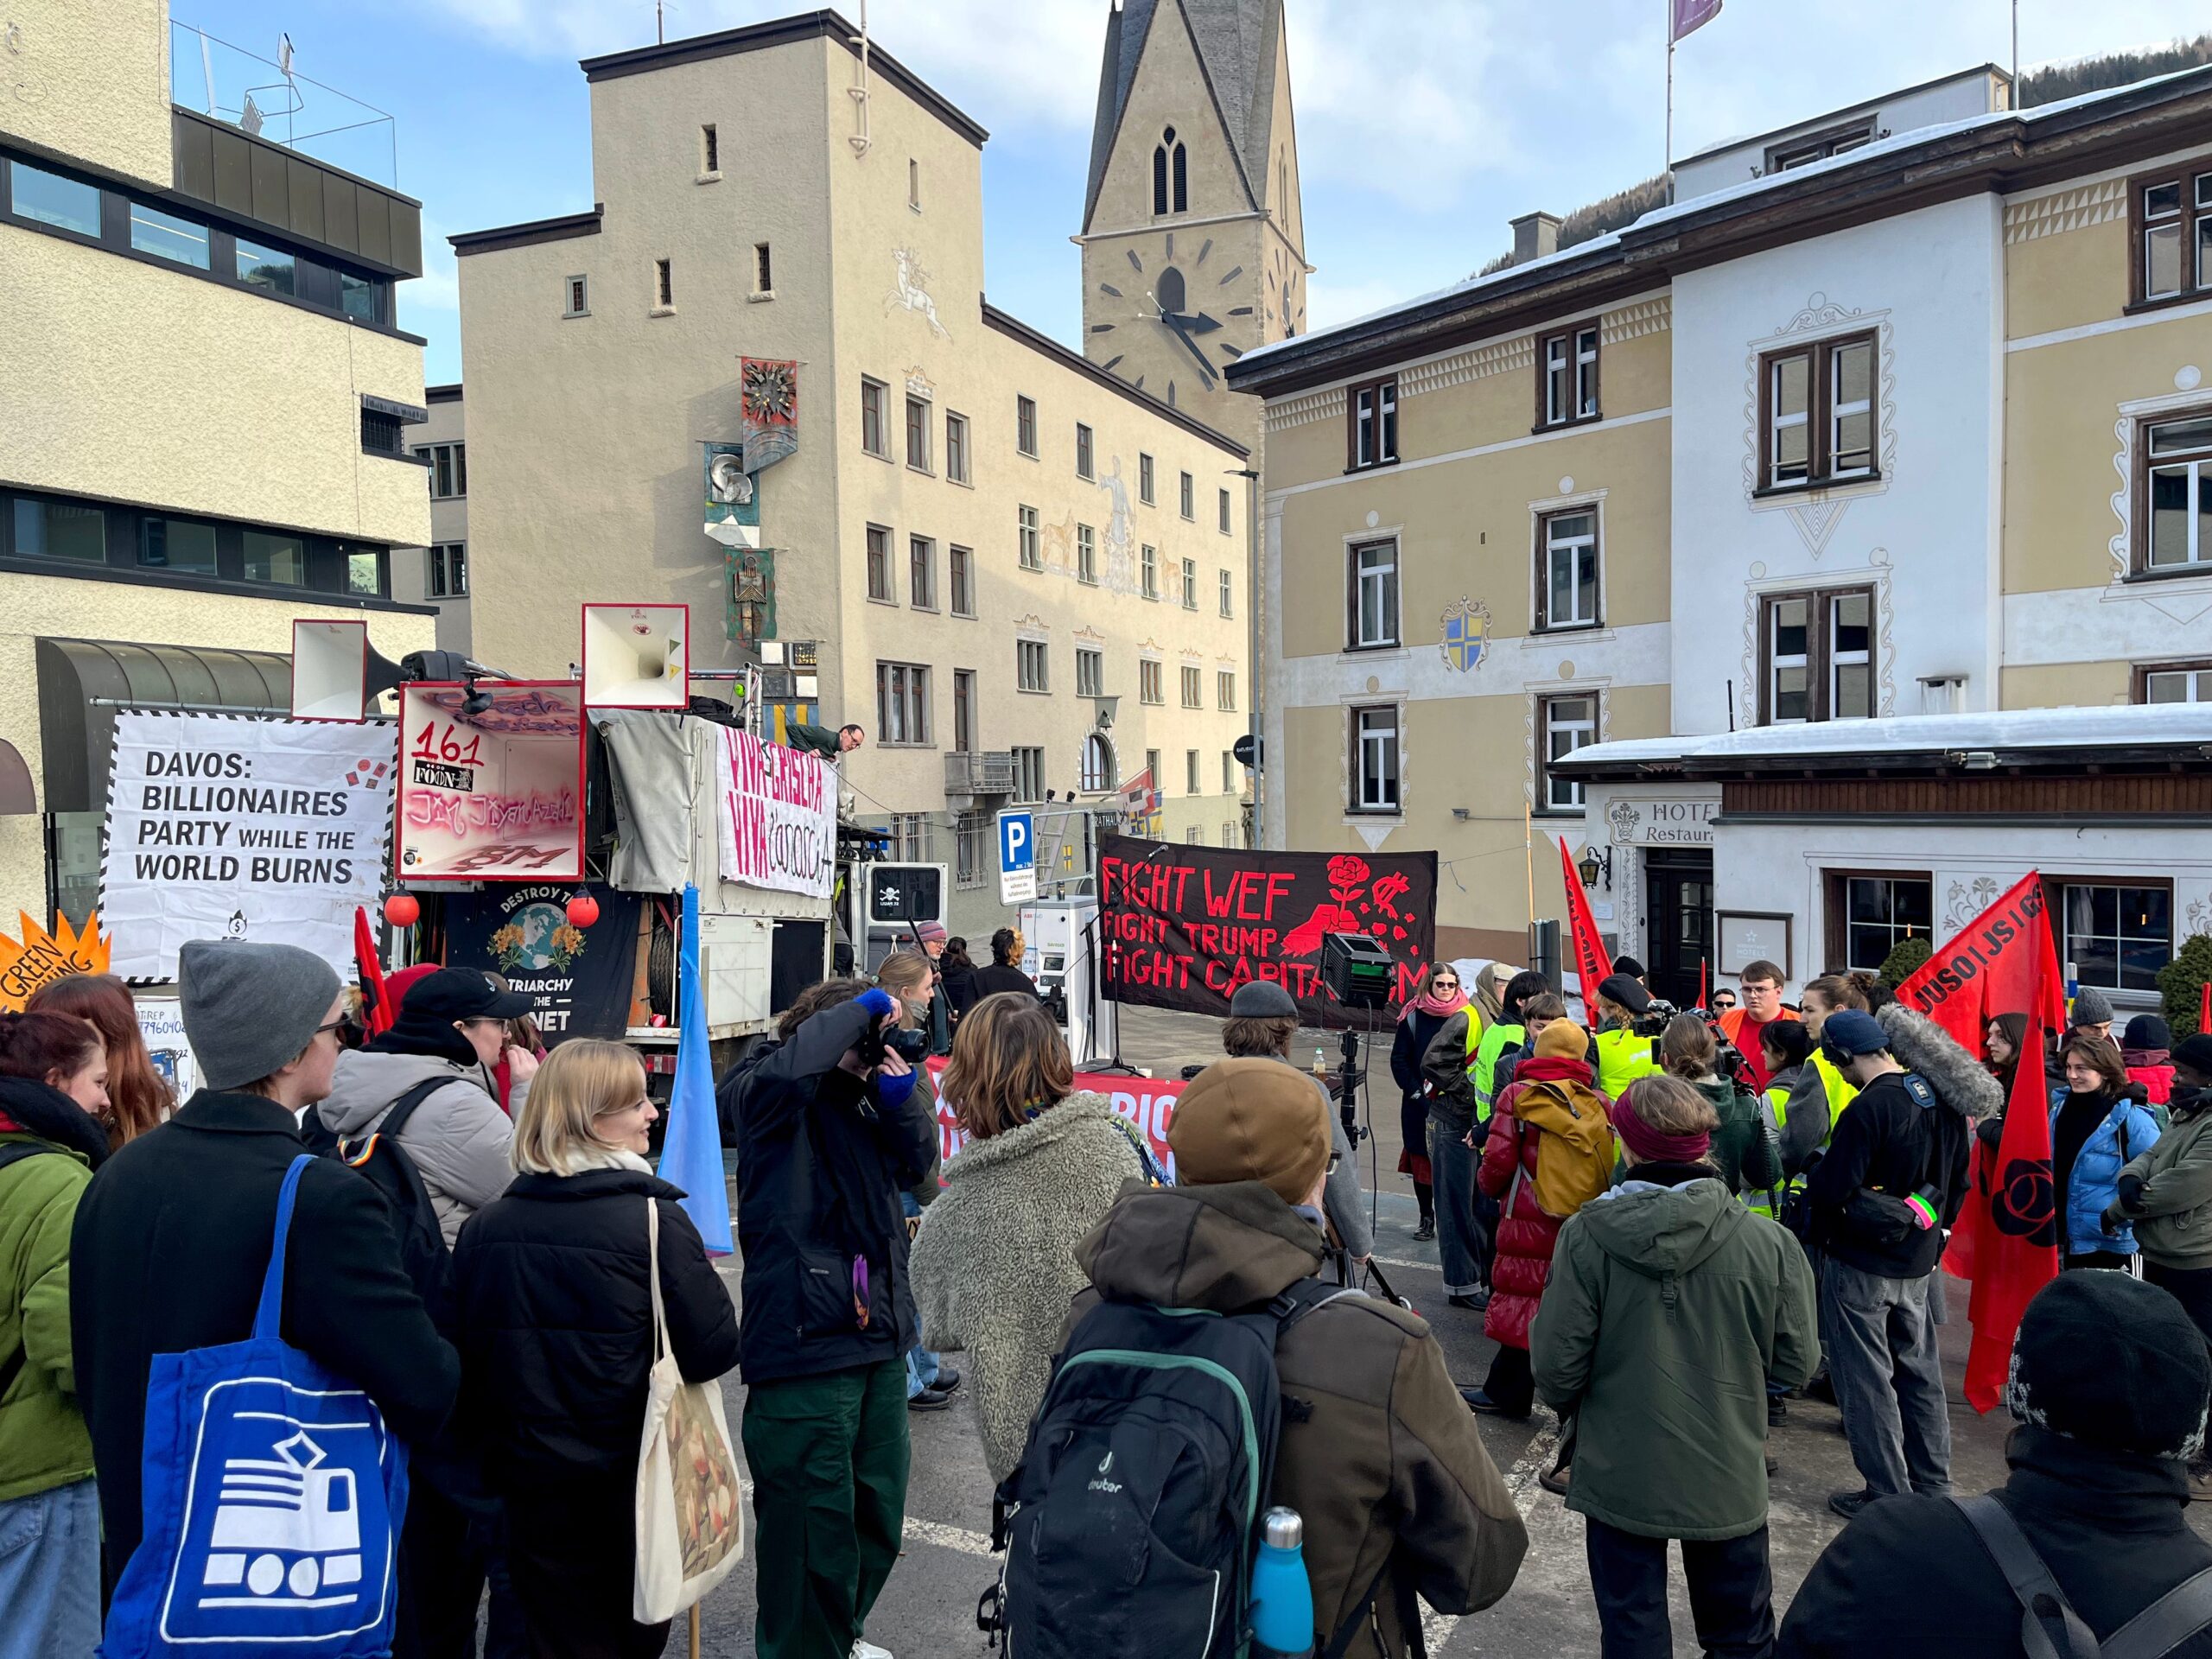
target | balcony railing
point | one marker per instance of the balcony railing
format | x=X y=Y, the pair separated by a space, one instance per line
x=271 y=99
x=971 y=773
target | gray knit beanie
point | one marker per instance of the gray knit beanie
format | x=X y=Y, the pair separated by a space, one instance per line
x=2091 y=1007
x=249 y=1010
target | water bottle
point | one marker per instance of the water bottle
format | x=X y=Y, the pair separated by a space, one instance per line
x=1282 y=1596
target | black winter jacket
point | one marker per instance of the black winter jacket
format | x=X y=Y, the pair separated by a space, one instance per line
x=2110 y=1526
x=556 y=1324
x=170 y=1244
x=820 y=1165
x=1883 y=1140
x=1408 y=1045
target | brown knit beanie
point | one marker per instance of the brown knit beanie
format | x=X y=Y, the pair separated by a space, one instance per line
x=1251 y=1119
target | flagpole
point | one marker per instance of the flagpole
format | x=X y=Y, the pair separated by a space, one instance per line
x=1667 y=161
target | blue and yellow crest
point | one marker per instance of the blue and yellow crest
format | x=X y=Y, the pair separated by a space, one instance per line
x=1466 y=630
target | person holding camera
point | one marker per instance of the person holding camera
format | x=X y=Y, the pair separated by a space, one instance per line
x=829 y=1128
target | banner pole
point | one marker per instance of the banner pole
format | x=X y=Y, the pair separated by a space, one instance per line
x=695 y=1630
x=1529 y=855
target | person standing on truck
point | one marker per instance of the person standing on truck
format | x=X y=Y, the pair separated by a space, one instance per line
x=1005 y=972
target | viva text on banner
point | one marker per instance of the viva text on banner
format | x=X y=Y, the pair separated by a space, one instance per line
x=777 y=816
x=227 y=828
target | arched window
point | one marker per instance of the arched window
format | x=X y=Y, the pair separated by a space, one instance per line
x=1173 y=296
x=1098 y=774
x=1170 y=159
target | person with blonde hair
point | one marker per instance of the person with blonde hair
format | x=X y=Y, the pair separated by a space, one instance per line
x=557 y=1341
x=1669 y=1310
x=994 y=1265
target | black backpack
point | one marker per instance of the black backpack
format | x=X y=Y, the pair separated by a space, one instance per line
x=1130 y=1522
x=380 y=1158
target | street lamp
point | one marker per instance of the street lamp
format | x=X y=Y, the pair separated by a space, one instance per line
x=1593 y=864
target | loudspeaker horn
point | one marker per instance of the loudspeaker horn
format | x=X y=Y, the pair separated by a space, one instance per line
x=637 y=656
x=336 y=674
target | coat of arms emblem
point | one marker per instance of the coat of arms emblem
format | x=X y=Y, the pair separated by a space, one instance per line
x=1466 y=630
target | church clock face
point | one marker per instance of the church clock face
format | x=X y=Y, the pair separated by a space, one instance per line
x=1285 y=305
x=1180 y=301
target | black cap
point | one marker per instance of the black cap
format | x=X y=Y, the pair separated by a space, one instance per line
x=463 y=994
x=2108 y=1360
x=2194 y=1052
x=1630 y=966
x=1619 y=988
x=2147 y=1031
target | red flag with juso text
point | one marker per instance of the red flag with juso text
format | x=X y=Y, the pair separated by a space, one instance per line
x=2013 y=1209
x=1591 y=961
x=1999 y=962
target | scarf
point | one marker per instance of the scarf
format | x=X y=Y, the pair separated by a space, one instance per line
x=597 y=1156
x=1442 y=1006
x=1554 y=1068
x=29 y=1107
x=1648 y=1144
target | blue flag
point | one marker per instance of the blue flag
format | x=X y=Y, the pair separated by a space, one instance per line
x=691 y=1151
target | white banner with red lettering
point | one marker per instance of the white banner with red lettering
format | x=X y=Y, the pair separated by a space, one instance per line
x=1146 y=1102
x=778 y=817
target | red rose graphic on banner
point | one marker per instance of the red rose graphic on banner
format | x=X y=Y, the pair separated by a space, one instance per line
x=1185 y=925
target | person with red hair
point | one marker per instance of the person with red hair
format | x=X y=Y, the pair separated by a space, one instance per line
x=138 y=1096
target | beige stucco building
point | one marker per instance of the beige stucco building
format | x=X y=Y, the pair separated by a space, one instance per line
x=987 y=541
x=201 y=438
x=1899 y=412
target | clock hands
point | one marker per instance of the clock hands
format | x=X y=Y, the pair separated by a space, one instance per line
x=1180 y=326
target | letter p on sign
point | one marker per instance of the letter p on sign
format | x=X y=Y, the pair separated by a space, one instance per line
x=1017 y=858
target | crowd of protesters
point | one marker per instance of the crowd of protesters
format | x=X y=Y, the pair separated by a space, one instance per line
x=1669 y=1223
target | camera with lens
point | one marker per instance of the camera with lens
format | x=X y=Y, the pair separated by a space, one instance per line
x=875 y=1043
x=1653 y=1021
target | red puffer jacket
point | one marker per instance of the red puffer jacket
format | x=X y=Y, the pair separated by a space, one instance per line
x=1525 y=1234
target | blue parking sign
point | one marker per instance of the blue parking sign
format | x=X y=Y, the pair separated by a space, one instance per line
x=1017 y=858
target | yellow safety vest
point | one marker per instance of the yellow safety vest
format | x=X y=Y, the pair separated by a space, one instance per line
x=1839 y=1095
x=1623 y=1057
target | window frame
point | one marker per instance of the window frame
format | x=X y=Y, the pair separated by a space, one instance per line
x=1839 y=140
x=440 y=561
x=575 y=295
x=960 y=580
x=1544 y=621
x=445 y=462
x=1835 y=897
x=1545 y=806
x=2193 y=182
x=1147 y=483
x=1029 y=537
x=1089 y=671
x=1024 y=426
x=1098 y=779
x=2140 y=675
x=1190 y=498
x=964 y=710
x=918 y=422
x=1821 y=413
x=1190 y=784
x=1033 y=667
x=1227 y=515
x=1357 y=803
x=1149 y=570
x=1086 y=453
x=664 y=285
x=1228 y=591
x=956 y=469
x=1190 y=584
x=1819 y=664
x=910 y=684
x=2198 y=461
x=875 y=412
x=1393 y=586
x=921 y=572
x=879 y=553
x=1224 y=690
x=1371 y=407
x=710 y=159
x=2056 y=888
x=1192 y=683
x=1585 y=402
x=968 y=833
x=1086 y=555
x=1029 y=783
x=1152 y=681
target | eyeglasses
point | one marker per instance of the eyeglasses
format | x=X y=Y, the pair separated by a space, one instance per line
x=339 y=1024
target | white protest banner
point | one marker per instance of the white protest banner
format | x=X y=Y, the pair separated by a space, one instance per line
x=161 y=1022
x=779 y=816
x=221 y=828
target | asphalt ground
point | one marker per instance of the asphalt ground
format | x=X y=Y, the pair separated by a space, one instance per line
x=927 y=1609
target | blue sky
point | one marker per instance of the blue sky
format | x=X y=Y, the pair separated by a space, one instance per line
x=1423 y=124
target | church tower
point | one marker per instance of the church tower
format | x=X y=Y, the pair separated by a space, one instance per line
x=1193 y=242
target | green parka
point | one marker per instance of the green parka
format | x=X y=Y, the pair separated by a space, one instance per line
x=2172 y=1217
x=1669 y=1308
x=43 y=1440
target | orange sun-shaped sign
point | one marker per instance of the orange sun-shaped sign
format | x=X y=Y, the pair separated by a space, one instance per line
x=41 y=958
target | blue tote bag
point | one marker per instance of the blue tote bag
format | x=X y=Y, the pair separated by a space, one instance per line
x=273 y=1495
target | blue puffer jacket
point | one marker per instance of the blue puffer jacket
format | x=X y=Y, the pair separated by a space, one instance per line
x=2095 y=1183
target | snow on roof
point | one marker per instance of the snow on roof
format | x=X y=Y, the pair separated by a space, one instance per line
x=1895 y=141
x=2126 y=727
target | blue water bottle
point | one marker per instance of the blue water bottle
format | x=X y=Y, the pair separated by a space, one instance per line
x=1282 y=1596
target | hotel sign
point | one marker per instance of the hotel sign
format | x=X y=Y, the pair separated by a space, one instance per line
x=1662 y=823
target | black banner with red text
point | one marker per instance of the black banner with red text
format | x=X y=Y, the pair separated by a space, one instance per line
x=1182 y=926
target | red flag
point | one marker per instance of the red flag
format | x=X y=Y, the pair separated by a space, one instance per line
x=2204 y=1007
x=1701 y=1001
x=1999 y=962
x=376 y=1002
x=2016 y=1239
x=1591 y=961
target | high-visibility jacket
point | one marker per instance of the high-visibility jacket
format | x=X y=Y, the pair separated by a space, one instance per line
x=1839 y=1094
x=1623 y=1057
x=1496 y=1040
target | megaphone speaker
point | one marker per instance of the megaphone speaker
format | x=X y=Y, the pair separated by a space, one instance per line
x=637 y=656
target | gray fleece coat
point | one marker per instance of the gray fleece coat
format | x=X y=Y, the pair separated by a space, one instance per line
x=994 y=1266
x=458 y=1137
